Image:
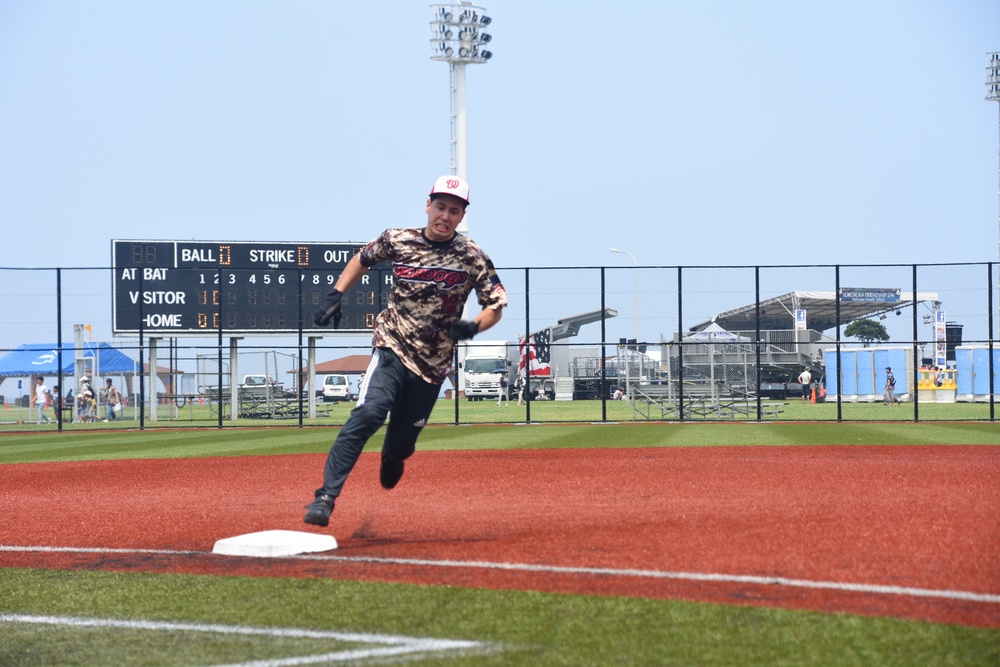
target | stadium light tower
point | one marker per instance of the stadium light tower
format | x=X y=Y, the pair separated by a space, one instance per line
x=457 y=38
x=993 y=95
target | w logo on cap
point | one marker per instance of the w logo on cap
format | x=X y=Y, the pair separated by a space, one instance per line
x=451 y=185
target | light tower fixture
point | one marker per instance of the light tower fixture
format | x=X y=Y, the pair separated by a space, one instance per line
x=993 y=95
x=459 y=39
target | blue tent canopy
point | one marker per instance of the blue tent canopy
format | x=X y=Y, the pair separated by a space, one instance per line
x=42 y=359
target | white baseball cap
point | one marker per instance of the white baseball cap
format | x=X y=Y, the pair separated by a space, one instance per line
x=451 y=185
x=85 y=379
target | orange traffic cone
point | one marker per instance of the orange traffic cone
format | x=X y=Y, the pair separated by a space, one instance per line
x=812 y=396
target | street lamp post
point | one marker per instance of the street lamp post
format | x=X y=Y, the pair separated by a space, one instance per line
x=457 y=38
x=627 y=364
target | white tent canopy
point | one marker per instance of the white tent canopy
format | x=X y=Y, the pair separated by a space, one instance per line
x=713 y=333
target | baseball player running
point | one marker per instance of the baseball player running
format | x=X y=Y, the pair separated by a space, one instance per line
x=434 y=272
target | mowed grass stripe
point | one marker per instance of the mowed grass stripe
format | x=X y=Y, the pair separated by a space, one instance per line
x=192 y=443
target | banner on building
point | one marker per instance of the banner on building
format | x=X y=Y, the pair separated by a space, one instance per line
x=870 y=294
x=940 y=339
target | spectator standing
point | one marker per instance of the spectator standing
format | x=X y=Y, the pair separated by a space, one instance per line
x=503 y=395
x=111 y=401
x=42 y=399
x=86 y=403
x=805 y=379
x=889 y=392
x=57 y=401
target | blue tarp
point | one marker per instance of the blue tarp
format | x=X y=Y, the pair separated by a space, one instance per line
x=42 y=359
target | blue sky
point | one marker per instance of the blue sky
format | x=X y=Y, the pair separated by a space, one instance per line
x=694 y=133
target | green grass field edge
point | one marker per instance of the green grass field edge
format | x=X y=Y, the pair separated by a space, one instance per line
x=520 y=627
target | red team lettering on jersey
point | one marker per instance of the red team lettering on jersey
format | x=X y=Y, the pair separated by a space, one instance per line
x=431 y=274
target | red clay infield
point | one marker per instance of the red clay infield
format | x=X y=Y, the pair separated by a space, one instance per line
x=911 y=532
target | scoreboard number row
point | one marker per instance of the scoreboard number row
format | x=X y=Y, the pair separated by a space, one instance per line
x=266 y=279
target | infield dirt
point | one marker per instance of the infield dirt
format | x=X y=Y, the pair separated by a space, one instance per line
x=893 y=531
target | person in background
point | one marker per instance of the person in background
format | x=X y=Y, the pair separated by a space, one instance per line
x=86 y=402
x=57 y=401
x=111 y=401
x=805 y=379
x=889 y=392
x=42 y=399
x=504 y=394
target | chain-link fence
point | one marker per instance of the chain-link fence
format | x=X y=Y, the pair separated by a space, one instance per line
x=236 y=347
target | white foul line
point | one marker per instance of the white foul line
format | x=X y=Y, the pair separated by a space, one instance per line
x=392 y=645
x=965 y=596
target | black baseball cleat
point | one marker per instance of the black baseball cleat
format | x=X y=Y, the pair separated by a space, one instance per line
x=318 y=511
x=389 y=473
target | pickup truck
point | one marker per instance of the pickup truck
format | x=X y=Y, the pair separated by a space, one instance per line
x=260 y=387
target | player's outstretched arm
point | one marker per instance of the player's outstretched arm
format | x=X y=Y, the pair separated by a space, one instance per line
x=466 y=329
x=488 y=317
x=351 y=274
x=330 y=310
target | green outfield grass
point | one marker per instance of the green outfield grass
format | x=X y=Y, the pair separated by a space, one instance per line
x=182 y=443
x=515 y=628
x=21 y=419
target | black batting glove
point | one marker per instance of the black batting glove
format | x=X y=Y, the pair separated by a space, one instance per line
x=329 y=310
x=463 y=329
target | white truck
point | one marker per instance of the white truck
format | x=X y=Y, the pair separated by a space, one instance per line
x=336 y=388
x=480 y=370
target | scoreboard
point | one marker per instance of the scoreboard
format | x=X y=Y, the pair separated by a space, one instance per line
x=242 y=287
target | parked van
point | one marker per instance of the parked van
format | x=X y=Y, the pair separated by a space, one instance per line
x=336 y=388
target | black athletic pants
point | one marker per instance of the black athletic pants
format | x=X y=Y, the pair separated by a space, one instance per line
x=389 y=387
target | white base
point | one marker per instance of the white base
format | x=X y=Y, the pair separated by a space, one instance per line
x=274 y=543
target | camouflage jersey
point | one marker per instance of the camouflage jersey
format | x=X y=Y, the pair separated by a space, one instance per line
x=431 y=282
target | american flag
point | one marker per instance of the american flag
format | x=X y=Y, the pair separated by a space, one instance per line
x=538 y=355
